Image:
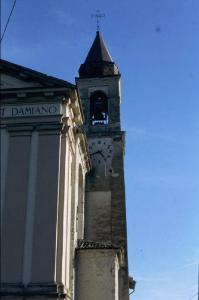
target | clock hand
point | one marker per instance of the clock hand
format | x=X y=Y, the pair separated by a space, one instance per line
x=100 y=152
x=91 y=154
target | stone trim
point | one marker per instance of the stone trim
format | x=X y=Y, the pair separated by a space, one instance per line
x=87 y=244
x=50 y=290
x=84 y=147
x=22 y=130
x=33 y=95
x=43 y=129
x=102 y=245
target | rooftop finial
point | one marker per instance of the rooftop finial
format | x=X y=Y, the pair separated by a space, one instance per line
x=98 y=15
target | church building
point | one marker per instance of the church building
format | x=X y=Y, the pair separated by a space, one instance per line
x=63 y=215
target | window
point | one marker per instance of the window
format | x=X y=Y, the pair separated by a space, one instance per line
x=98 y=108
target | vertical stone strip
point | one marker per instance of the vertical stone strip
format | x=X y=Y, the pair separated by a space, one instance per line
x=14 y=212
x=68 y=219
x=60 y=216
x=4 y=160
x=62 y=208
x=46 y=205
x=73 y=223
x=30 y=211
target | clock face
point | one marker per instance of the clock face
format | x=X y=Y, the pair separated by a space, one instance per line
x=101 y=151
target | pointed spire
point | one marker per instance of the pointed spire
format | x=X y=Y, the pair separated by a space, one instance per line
x=98 y=61
x=98 y=51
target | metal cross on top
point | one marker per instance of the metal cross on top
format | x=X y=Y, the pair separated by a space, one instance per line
x=98 y=16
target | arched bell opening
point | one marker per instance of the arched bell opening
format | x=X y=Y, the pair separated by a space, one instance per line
x=98 y=108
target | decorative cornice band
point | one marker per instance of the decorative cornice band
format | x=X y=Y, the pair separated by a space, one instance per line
x=50 y=290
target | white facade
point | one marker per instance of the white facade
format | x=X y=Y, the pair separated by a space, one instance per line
x=44 y=160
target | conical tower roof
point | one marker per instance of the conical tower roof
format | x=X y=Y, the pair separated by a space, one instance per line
x=98 y=51
x=98 y=61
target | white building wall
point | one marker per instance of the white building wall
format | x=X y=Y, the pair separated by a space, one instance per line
x=41 y=149
x=96 y=274
x=39 y=203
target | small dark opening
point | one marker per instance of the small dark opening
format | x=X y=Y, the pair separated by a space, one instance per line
x=98 y=108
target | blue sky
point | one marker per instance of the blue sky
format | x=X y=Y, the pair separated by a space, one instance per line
x=155 y=44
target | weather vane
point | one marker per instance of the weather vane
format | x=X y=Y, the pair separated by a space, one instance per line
x=98 y=15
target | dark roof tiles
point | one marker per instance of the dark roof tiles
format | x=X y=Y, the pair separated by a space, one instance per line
x=98 y=51
x=98 y=61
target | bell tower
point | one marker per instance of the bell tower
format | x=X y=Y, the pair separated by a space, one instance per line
x=99 y=87
x=105 y=213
